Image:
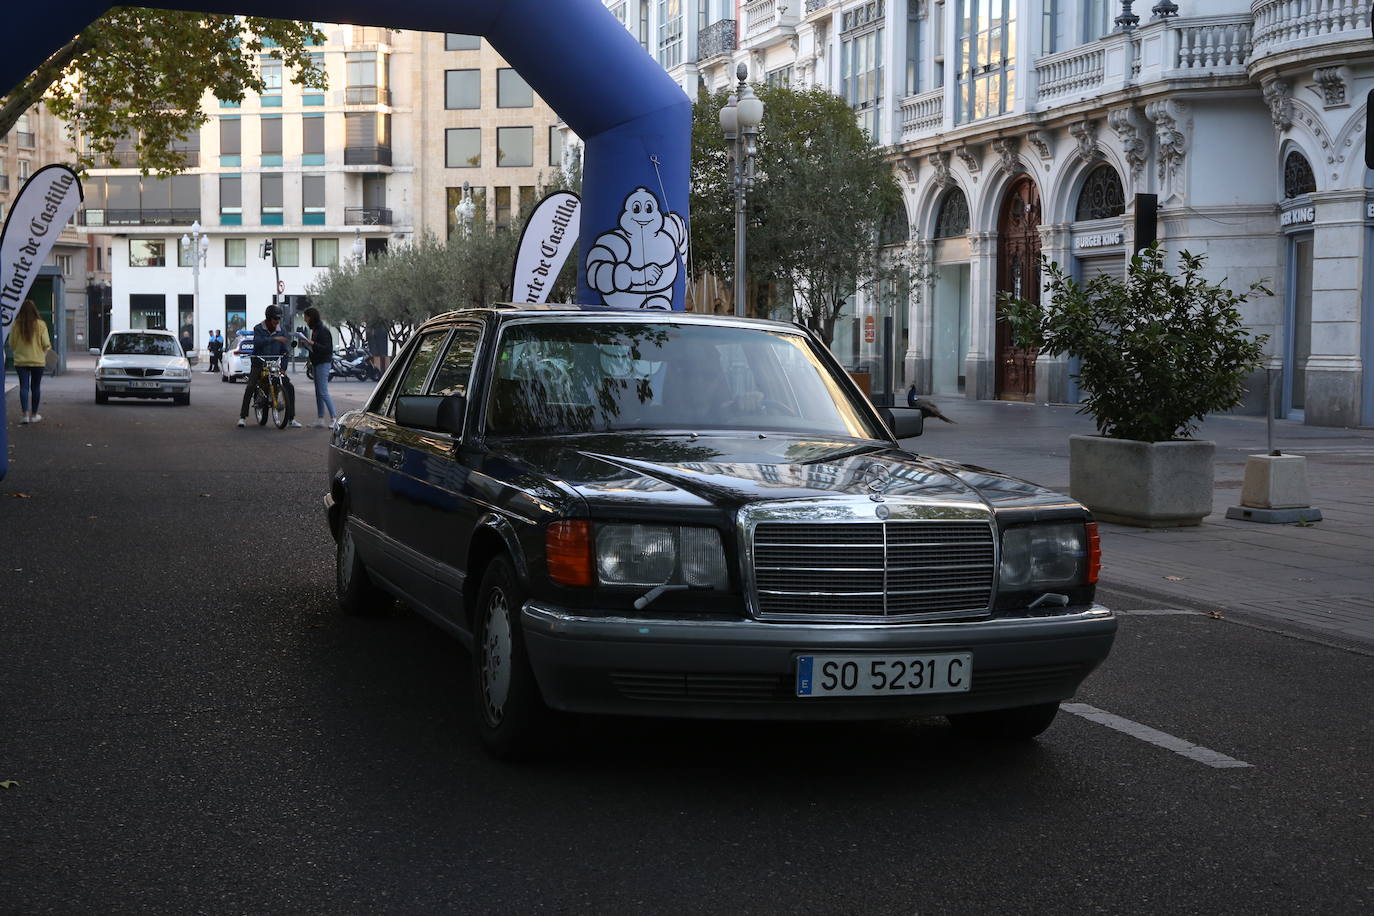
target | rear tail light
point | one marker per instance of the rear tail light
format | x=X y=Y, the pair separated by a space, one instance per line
x=1094 y=553
x=568 y=553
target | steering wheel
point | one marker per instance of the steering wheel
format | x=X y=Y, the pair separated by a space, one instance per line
x=555 y=377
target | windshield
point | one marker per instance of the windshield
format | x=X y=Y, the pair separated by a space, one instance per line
x=576 y=377
x=142 y=345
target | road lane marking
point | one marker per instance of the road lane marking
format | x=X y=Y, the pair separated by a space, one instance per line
x=1153 y=736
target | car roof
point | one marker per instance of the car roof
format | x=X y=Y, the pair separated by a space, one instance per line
x=143 y=331
x=508 y=311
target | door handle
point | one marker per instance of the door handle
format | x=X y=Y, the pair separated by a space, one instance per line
x=398 y=457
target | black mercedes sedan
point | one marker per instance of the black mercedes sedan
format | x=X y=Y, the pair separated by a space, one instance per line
x=671 y=514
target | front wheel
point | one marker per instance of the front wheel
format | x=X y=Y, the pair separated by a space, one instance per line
x=182 y=400
x=1020 y=724
x=260 y=410
x=511 y=714
x=353 y=587
x=280 y=415
x=101 y=397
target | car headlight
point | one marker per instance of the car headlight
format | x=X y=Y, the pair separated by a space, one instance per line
x=178 y=373
x=1057 y=555
x=658 y=554
x=108 y=372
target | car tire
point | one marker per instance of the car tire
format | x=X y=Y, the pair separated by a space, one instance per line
x=358 y=596
x=1019 y=724
x=101 y=397
x=182 y=400
x=512 y=718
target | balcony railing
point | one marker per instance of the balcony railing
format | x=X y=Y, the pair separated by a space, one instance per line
x=716 y=38
x=367 y=155
x=1071 y=72
x=813 y=5
x=1211 y=44
x=762 y=15
x=177 y=216
x=367 y=216
x=1304 y=23
x=923 y=114
x=366 y=95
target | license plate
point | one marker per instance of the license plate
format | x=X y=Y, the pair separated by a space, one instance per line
x=142 y=384
x=883 y=675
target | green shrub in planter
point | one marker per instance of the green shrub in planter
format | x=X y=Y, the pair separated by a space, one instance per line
x=1157 y=352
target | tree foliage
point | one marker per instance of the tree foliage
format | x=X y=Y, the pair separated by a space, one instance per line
x=142 y=73
x=821 y=194
x=1158 y=351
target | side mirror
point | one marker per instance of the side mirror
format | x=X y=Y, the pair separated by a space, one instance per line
x=436 y=413
x=95 y=351
x=904 y=422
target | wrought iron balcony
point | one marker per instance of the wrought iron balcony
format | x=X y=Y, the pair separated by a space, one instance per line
x=813 y=5
x=367 y=216
x=367 y=155
x=176 y=216
x=366 y=95
x=716 y=38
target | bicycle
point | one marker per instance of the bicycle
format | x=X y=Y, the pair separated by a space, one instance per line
x=270 y=398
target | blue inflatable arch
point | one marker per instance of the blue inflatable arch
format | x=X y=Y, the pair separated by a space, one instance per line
x=634 y=120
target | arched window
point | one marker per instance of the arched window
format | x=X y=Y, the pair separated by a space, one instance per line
x=1297 y=176
x=1102 y=196
x=953 y=218
x=894 y=229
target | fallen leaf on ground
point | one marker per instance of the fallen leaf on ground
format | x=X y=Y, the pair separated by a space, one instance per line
x=1216 y=615
x=8 y=784
x=1174 y=578
x=21 y=496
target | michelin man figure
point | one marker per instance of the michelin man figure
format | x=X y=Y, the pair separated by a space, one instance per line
x=635 y=265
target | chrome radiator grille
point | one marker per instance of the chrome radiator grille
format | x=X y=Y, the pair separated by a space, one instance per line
x=873 y=569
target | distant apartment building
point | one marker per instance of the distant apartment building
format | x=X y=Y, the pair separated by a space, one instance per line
x=37 y=139
x=323 y=175
x=1021 y=128
x=478 y=124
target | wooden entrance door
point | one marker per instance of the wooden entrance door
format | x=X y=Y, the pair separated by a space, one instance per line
x=1018 y=273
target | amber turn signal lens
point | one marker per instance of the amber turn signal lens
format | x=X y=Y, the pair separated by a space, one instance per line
x=568 y=553
x=1094 y=553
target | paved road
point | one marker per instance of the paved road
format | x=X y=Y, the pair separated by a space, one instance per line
x=192 y=728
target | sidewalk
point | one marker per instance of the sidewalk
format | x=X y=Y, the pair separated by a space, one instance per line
x=1319 y=579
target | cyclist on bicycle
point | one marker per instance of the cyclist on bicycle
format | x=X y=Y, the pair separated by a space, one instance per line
x=269 y=340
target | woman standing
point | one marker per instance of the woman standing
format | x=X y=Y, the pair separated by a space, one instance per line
x=31 y=343
x=321 y=344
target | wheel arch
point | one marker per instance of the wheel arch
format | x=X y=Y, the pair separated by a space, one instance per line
x=338 y=504
x=494 y=536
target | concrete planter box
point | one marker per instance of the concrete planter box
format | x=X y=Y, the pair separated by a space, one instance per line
x=1148 y=484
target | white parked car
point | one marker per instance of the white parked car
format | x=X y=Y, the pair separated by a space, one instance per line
x=238 y=358
x=142 y=364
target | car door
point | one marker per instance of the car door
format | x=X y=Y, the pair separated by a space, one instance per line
x=435 y=519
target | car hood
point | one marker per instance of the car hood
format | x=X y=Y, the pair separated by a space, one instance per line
x=729 y=471
x=142 y=362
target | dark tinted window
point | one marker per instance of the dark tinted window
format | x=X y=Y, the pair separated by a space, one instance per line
x=142 y=345
x=456 y=367
x=412 y=379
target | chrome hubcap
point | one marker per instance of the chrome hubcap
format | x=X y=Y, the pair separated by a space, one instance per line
x=496 y=657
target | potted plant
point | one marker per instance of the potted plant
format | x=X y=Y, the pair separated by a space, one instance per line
x=1157 y=352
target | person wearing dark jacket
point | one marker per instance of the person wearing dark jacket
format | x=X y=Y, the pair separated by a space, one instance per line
x=321 y=352
x=216 y=348
x=269 y=341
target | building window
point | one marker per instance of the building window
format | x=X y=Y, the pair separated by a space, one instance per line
x=986 y=58
x=503 y=208
x=1102 y=196
x=147 y=252
x=286 y=252
x=527 y=199
x=230 y=200
x=184 y=253
x=861 y=65
x=230 y=141
x=235 y=252
x=1297 y=176
x=235 y=317
x=463 y=147
x=271 y=189
x=1097 y=19
x=23 y=131
x=780 y=77
x=324 y=252
x=455 y=41
x=271 y=76
x=895 y=228
x=312 y=200
x=463 y=89
x=271 y=140
x=618 y=11
x=361 y=69
x=312 y=139
x=512 y=91
x=64 y=263
x=514 y=146
x=555 y=147
x=1053 y=26
x=916 y=31
x=953 y=218
x=669 y=32
x=454 y=196
x=23 y=171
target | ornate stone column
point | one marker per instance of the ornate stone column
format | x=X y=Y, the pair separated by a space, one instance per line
x=980 y=369
x=1052 y=372
x=921 y=319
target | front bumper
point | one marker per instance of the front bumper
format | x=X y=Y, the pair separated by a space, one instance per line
x=745 y=669
x=122 y=388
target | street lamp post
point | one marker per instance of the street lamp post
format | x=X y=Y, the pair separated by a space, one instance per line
x=358 y=247
x=739 y=121
x=466 y=210
x=199 y=247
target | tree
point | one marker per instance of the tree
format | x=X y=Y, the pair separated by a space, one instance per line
x=821 y=194
x=142 y=73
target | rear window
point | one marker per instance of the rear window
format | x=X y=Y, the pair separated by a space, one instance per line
x=142 y=345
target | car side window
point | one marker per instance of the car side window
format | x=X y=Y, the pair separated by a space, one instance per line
x=411 y=379
x=455 y=368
